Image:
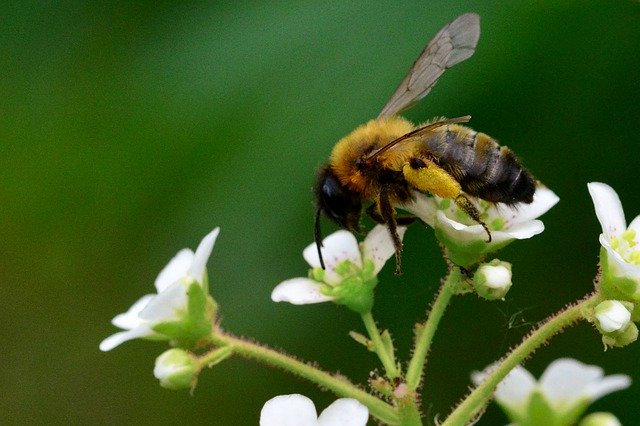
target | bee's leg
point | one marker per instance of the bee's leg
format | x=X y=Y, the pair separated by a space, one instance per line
x=372 y=212
x=388 y=215
x=465 y=204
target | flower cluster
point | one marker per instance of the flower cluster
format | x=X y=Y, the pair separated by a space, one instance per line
x=350 y=273
x=181 y=311
x=620 y=268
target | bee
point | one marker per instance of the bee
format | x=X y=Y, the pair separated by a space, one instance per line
x=385 y=160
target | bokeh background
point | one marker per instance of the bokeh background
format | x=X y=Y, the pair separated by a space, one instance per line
x=128 y=131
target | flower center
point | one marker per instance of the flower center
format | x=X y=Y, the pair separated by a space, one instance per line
x=627 y=246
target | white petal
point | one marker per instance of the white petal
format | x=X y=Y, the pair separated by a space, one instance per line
x=524 y=230
x=607 y=385
x=201 y=257
x=131 y=318
x=344 y=412
x=459 y=231
x=378 y=245
x=168 y=305
x=608 y=208
x=612 y=316
x=515 y=388
x=336 y=248
x=177 y=268
x=121 y=337
x=289 y=410
x=565 y=380
x=299 y=291
x=423 y=207
x=543 y=200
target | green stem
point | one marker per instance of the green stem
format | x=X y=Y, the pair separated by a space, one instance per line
x=340 y=386
x=480 y=396
x=424 y=337
x=387 y=359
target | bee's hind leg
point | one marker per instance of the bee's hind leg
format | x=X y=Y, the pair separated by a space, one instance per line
x=467 y=206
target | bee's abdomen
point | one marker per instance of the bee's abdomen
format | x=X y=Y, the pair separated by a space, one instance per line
x=483 y=168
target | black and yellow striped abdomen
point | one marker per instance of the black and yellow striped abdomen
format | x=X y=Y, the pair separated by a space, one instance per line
x=483 y=168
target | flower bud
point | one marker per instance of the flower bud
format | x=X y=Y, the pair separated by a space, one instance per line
x=611 y=316
x=492 y=280
x=176 y=369
x=600 y=419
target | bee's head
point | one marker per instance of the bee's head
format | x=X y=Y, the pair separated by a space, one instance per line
x=339 y=203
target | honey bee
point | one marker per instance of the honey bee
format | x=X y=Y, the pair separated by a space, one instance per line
x=385 y=160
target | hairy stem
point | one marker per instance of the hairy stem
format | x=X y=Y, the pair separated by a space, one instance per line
x=340 y=386
x=387 y=359
x=424 y=337
x=480 y=396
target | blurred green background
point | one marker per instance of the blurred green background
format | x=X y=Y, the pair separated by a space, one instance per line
x=128 y=131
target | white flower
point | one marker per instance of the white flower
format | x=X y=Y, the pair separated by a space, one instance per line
x=350 y=273
x=611 y=316
x=170 y=304
x=560 y=397
x=458 y=231
x=298 y=410
x=620 y=258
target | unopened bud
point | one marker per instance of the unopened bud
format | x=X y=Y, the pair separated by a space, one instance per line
x=611 y=316
x=176 y=369
x=600 y=419
x=492 y=280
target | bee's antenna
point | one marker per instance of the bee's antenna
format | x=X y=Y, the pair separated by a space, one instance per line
x=318 y=237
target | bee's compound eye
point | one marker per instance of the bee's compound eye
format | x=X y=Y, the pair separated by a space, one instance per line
x=417 y=163
x=340 y=204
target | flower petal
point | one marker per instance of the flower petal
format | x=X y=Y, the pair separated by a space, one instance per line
x=289 y=410
x=565 y=380
x=116 y=339
x=336 y=248
x=378 y=246
x=608 y=208
x=299 y=291
x=131 y=318
x=524 y=230
x=168 y=305
x=202 y=254
x=344 y=412
x=543 y=200
x=515 y=388
x=607 y=385
x=422 y=206
x=176 y=269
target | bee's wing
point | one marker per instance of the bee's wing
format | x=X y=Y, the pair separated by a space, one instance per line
x=453 y=44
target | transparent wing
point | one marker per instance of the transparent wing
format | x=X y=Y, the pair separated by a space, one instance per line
x=453 y=44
